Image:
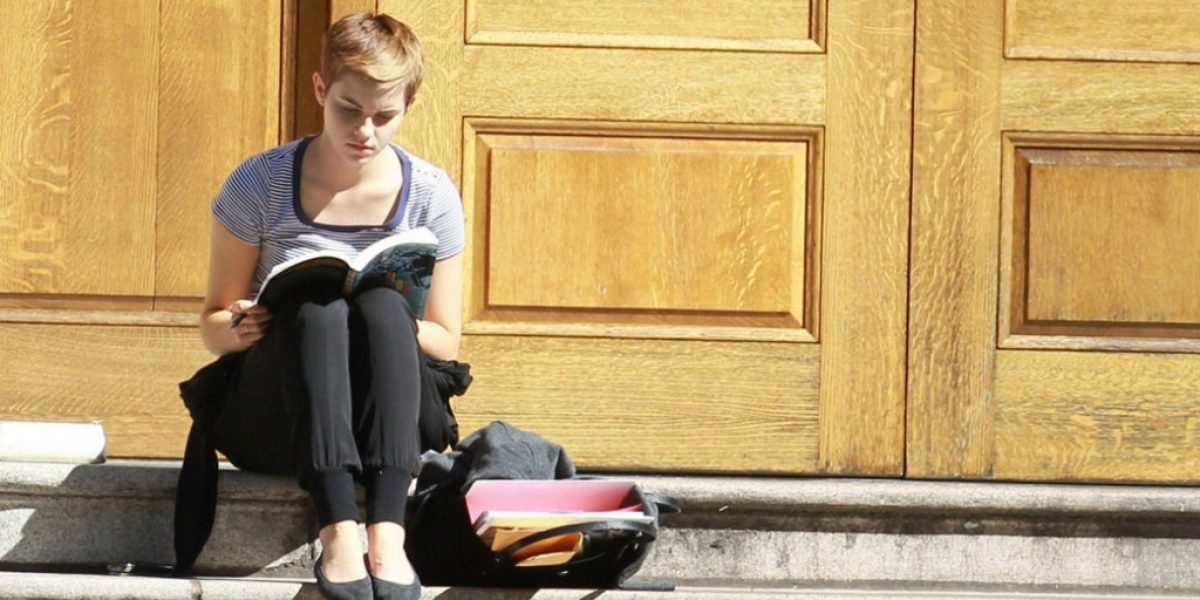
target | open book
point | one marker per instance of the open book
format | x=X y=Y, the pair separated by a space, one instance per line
x=403 y=261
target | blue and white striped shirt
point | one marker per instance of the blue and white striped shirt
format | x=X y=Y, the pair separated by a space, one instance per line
x=260 y=204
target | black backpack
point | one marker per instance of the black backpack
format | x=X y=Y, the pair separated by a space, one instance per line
x=445 y=550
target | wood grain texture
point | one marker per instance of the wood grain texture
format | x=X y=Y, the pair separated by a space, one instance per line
x=714 y=219
x=51 y=303
x=341 y=8
x=1147 y=30
x=109 y=243
x=865 y=245
x=433 y=128
x=219 y=104
x=35 y=40
x=1114 y=98
x=667 y=85
x=99 y=317
x=652 y=405
x=1073 y=416
x=312 y=19
x=124 y=376
x=746 y=25
x=74 y=206
x=1050 y=337
x=288 y=46
x=955 y=224
x=1113 y=243
x=661 y=325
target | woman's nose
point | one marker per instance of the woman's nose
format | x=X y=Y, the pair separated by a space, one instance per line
x=365 y=127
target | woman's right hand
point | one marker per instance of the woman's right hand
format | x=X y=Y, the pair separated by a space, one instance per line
x=248 y=321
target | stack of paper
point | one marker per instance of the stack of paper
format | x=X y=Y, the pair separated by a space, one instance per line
x=41 y=441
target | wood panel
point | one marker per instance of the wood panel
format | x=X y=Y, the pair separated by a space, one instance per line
x=955 y=225
x=1147 y=30
x=865 y=239
x=716 y=220
x=709 y=406
x=124 y=376
x=1091 y=254
x=1073 y=416
x=77 y=217
x=795 y=319
x=1130 y=154
x=747 y=25
x=235 y=60
x=1114 y=98
x=613 y=85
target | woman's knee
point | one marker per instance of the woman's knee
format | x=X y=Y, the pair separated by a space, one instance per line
x=322 y=316
x=384 y=305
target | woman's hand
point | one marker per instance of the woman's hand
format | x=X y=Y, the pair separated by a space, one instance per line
x=248 y=321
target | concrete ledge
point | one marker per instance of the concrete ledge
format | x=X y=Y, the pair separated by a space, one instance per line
x=36 y=586
x=89 y=516
x=767 y=530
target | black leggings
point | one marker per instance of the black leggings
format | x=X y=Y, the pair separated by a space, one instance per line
x=332 y=394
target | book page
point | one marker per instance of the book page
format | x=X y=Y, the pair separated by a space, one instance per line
x=497 y=519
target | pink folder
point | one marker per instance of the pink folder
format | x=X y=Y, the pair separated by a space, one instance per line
x=550 y=495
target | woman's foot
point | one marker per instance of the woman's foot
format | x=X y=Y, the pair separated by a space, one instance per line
x=386 y=590
x=341 y=552
x=385 y=553
x=358 y=589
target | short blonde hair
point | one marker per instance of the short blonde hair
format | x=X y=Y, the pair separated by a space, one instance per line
x=375 y=46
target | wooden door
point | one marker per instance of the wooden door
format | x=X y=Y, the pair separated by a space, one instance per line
x=687 y=224
x=1055 y=320
x=118 y=121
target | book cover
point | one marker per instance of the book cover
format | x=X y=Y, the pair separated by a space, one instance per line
x=403 y=261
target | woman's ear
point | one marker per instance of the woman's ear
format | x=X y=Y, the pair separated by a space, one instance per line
x=319 y=88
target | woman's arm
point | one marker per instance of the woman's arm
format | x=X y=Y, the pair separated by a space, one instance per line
x=231 y=266
x=441 y=331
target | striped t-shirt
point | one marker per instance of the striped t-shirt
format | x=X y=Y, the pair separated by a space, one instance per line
x=260 y=204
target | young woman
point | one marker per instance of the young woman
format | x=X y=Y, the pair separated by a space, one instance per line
x=333 y=381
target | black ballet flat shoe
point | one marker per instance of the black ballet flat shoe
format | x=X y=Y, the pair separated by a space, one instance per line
x=390 y=590
x=358 y=589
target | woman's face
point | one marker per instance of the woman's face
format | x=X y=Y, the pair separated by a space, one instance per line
x=361 y=116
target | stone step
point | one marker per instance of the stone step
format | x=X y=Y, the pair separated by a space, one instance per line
x=739 y=530
x=43 y=586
